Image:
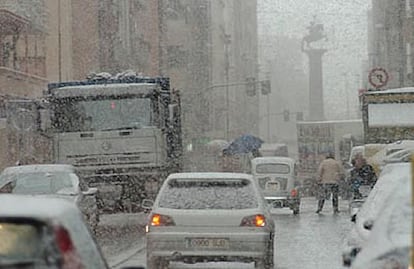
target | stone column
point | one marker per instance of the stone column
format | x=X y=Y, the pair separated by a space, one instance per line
x=316 y=110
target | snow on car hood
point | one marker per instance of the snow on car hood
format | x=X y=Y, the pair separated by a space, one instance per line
x=391 y=234
x=70 y=198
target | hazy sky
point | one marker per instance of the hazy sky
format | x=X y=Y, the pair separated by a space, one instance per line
x=346 y=26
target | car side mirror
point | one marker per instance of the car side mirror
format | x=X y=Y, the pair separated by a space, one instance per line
x=90 y=191
x=147 y=204
x=368 y=224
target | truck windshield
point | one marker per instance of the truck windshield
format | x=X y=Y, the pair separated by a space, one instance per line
x=102 y=115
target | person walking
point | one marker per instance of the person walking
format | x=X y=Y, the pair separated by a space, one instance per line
x=330 y=172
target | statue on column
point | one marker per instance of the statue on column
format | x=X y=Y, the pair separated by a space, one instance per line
x=316 y=33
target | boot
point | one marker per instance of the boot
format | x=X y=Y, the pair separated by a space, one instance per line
x=320 y=206
x=335 y=204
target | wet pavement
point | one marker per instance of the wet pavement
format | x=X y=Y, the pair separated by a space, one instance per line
x=308 y=240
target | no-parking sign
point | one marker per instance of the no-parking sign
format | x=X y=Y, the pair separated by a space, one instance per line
x=378 y=77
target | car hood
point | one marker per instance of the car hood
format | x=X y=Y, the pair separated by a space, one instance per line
x=70 y=198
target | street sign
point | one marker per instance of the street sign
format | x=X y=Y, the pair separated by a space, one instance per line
x=378 y=77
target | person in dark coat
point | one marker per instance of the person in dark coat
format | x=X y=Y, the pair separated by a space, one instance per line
x=362 y=174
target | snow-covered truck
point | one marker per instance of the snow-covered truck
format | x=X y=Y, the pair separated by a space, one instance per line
x=122 y=134
x=317 y=138
x=388 y=115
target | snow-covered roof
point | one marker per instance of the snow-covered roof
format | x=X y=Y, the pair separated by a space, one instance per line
x=396 y=90
x=104 y=89
x=285 y=160
x=39 y=168
x=210 y=175
x=41 y=208
x=331 y=121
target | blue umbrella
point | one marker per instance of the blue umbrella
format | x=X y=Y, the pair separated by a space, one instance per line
x=243 y=144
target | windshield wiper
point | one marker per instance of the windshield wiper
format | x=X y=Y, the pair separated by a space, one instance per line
x=122 y=128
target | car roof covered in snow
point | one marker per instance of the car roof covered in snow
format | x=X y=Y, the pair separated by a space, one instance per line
x=40 y=208
x=39 y=168
x=260 y=160
x=209 y=175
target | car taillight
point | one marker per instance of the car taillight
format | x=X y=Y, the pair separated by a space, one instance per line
x=161 y=220
x=70 y=258
x=254 y=221
x=294 y=192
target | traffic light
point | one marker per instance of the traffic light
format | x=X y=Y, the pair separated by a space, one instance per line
x=286 y=115
x=251 y=86
x=265 y=87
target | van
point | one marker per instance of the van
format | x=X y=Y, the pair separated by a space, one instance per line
x=276 y=177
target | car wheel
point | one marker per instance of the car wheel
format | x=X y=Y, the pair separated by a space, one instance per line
x=157 y=263
x=267 y=262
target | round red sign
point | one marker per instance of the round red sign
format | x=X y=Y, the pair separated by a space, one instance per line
x=378 y=77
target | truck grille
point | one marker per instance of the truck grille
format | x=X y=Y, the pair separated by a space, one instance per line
x=110 y=159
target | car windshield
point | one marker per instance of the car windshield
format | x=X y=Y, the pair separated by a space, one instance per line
x=102 y=114
x=273 y=168
x=208 y=195
x=20 y=242
x=41 y=183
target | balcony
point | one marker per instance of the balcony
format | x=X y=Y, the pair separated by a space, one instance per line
x=22 y=56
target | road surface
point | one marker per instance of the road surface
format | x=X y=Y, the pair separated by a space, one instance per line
x=308 y=240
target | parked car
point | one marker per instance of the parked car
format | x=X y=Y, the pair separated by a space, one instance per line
x=204 y=217
x=390 y=240
x=403 y=155
x=56 y=180
x=391 y=176
x=44 y=232
x=276 y=177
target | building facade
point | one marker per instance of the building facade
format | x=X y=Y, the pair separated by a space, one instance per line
x=207 y=47
x=391 y=40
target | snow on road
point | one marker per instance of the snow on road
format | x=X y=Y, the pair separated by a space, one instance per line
x=305 y=241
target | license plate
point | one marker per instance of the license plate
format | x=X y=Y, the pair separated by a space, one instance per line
x=272 y=186
x=208 y=243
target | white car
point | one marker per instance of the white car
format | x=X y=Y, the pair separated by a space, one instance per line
x=390 y=242
x=391 y=176
x=43 y=232
x=204 y=217
x=54 y=180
